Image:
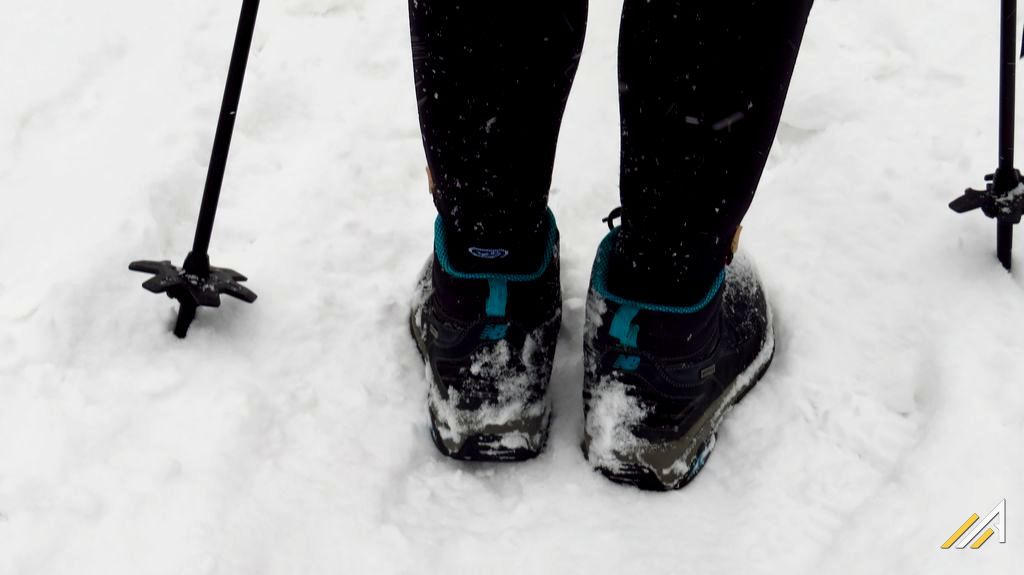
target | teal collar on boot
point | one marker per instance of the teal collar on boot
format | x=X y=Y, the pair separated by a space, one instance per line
x=599 y=280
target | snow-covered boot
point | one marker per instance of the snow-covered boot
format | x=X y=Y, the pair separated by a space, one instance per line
x=659 y=380
x=488 y=342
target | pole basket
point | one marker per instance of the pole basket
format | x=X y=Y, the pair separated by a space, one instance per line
x=192 y=289
x=1006 y=205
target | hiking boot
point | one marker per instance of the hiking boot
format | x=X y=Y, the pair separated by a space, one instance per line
x=659 y=380
x=488 y=342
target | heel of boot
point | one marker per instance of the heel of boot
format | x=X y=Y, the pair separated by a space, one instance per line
x=654 y=468
x=488 y=434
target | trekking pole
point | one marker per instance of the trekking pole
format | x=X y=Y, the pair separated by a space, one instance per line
x=197 y=284
x=1003 y=197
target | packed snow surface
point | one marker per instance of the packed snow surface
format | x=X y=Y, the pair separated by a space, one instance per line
x=290 y=437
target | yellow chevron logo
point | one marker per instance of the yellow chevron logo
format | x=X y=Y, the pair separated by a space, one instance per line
x=976 y=532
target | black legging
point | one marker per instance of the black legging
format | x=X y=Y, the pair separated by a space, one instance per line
x=702 y=86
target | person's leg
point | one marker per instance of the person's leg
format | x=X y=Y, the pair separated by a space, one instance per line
x=492 y=79
x=702 y=86
x=674 y=338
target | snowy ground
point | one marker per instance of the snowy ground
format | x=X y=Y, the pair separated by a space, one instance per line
x=290 y=437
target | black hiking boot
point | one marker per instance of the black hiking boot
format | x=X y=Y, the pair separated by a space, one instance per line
x=488 y=341
x=659 y=380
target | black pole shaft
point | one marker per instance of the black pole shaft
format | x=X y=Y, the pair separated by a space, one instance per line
x=186 y=315
x=1007 y=89
x=225 y=129
x=1004 y=243
x=1006 y=178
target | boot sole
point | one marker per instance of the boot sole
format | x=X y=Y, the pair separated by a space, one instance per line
x=673 y=465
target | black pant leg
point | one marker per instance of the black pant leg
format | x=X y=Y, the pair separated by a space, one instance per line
x=492 y=79
x=702 y=87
